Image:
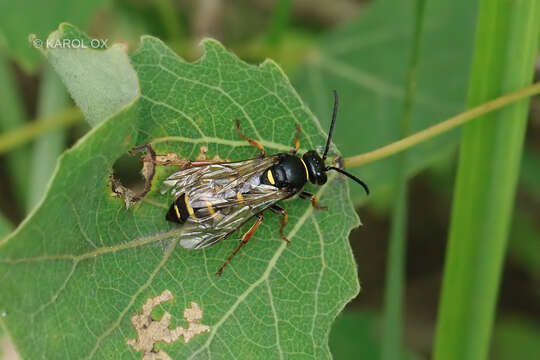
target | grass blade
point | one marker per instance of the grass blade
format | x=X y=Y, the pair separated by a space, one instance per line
x=506 y=46
x=395 y=278
x=13 y=116
x=52 y=99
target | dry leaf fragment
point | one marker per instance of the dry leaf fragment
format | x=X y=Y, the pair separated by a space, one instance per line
x=150 y=331
x=122 y=192
x=193 y=315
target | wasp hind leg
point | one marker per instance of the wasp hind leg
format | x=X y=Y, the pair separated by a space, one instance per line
x=251 y=141
x=279 y=210
x=244 y=241
x=314 y=201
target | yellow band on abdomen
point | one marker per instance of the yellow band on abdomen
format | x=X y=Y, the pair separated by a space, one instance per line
x=188 y=206
x=177 y=212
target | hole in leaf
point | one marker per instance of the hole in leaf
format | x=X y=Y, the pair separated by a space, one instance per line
x=127 y=170
x=132 y=174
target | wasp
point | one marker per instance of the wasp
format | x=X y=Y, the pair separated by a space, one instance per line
x=213 y=199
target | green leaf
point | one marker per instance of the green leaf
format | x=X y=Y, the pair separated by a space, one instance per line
x=367 y=61
x=355 y=335
x=76 y=271
x=19 y=19
x=397 y=243
x=5 y=226
x=101 y=81
x=516 y=337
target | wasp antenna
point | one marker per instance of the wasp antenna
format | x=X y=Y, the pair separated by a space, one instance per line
x=334 y=116
x=351 y=176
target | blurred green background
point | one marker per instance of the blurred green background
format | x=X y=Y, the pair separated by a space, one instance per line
x=360 y=48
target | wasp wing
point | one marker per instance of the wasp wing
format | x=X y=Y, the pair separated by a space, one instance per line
x=223 y=196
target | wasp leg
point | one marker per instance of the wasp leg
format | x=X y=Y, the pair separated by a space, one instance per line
x=204 y=163
x=284 y=220
x=314 y=201
x=245 y=239
x=168 y=159
x=174 y=160
x=297 y=139
x=251 y=141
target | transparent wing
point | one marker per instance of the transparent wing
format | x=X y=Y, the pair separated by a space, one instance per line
x=223 y=197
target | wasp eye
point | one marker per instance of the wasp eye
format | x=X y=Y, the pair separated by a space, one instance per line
x=322 y=179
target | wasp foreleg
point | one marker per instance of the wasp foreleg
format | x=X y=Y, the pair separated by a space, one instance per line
x=314 y=201
x=279 y=210
x=297 y=139
x=251 y=141
x=244 y=240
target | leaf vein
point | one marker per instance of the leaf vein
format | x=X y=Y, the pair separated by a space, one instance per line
x=148 y=282
x=276 y=320
x=264 y=276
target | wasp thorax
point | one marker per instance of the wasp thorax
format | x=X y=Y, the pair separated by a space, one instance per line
x=289 y=173
x=315 y=167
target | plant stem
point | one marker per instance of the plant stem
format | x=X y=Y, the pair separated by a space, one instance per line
x=442 y=127
x=392 y=341
x=19 y=136
x=490 y=152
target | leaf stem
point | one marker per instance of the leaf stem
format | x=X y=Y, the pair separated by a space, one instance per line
x=25 y=133
x=442 y=127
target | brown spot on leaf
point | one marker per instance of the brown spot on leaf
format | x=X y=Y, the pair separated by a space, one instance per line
x=149 y=331
x=122 y=192
x=203 y=153
x=217 y=158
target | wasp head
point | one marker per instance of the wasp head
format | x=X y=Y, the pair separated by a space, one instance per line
x=315 y=167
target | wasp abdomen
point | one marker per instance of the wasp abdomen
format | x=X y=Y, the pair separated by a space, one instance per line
x=179 y=210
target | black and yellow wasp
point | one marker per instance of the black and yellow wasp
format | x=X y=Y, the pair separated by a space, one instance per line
x=213 y=199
